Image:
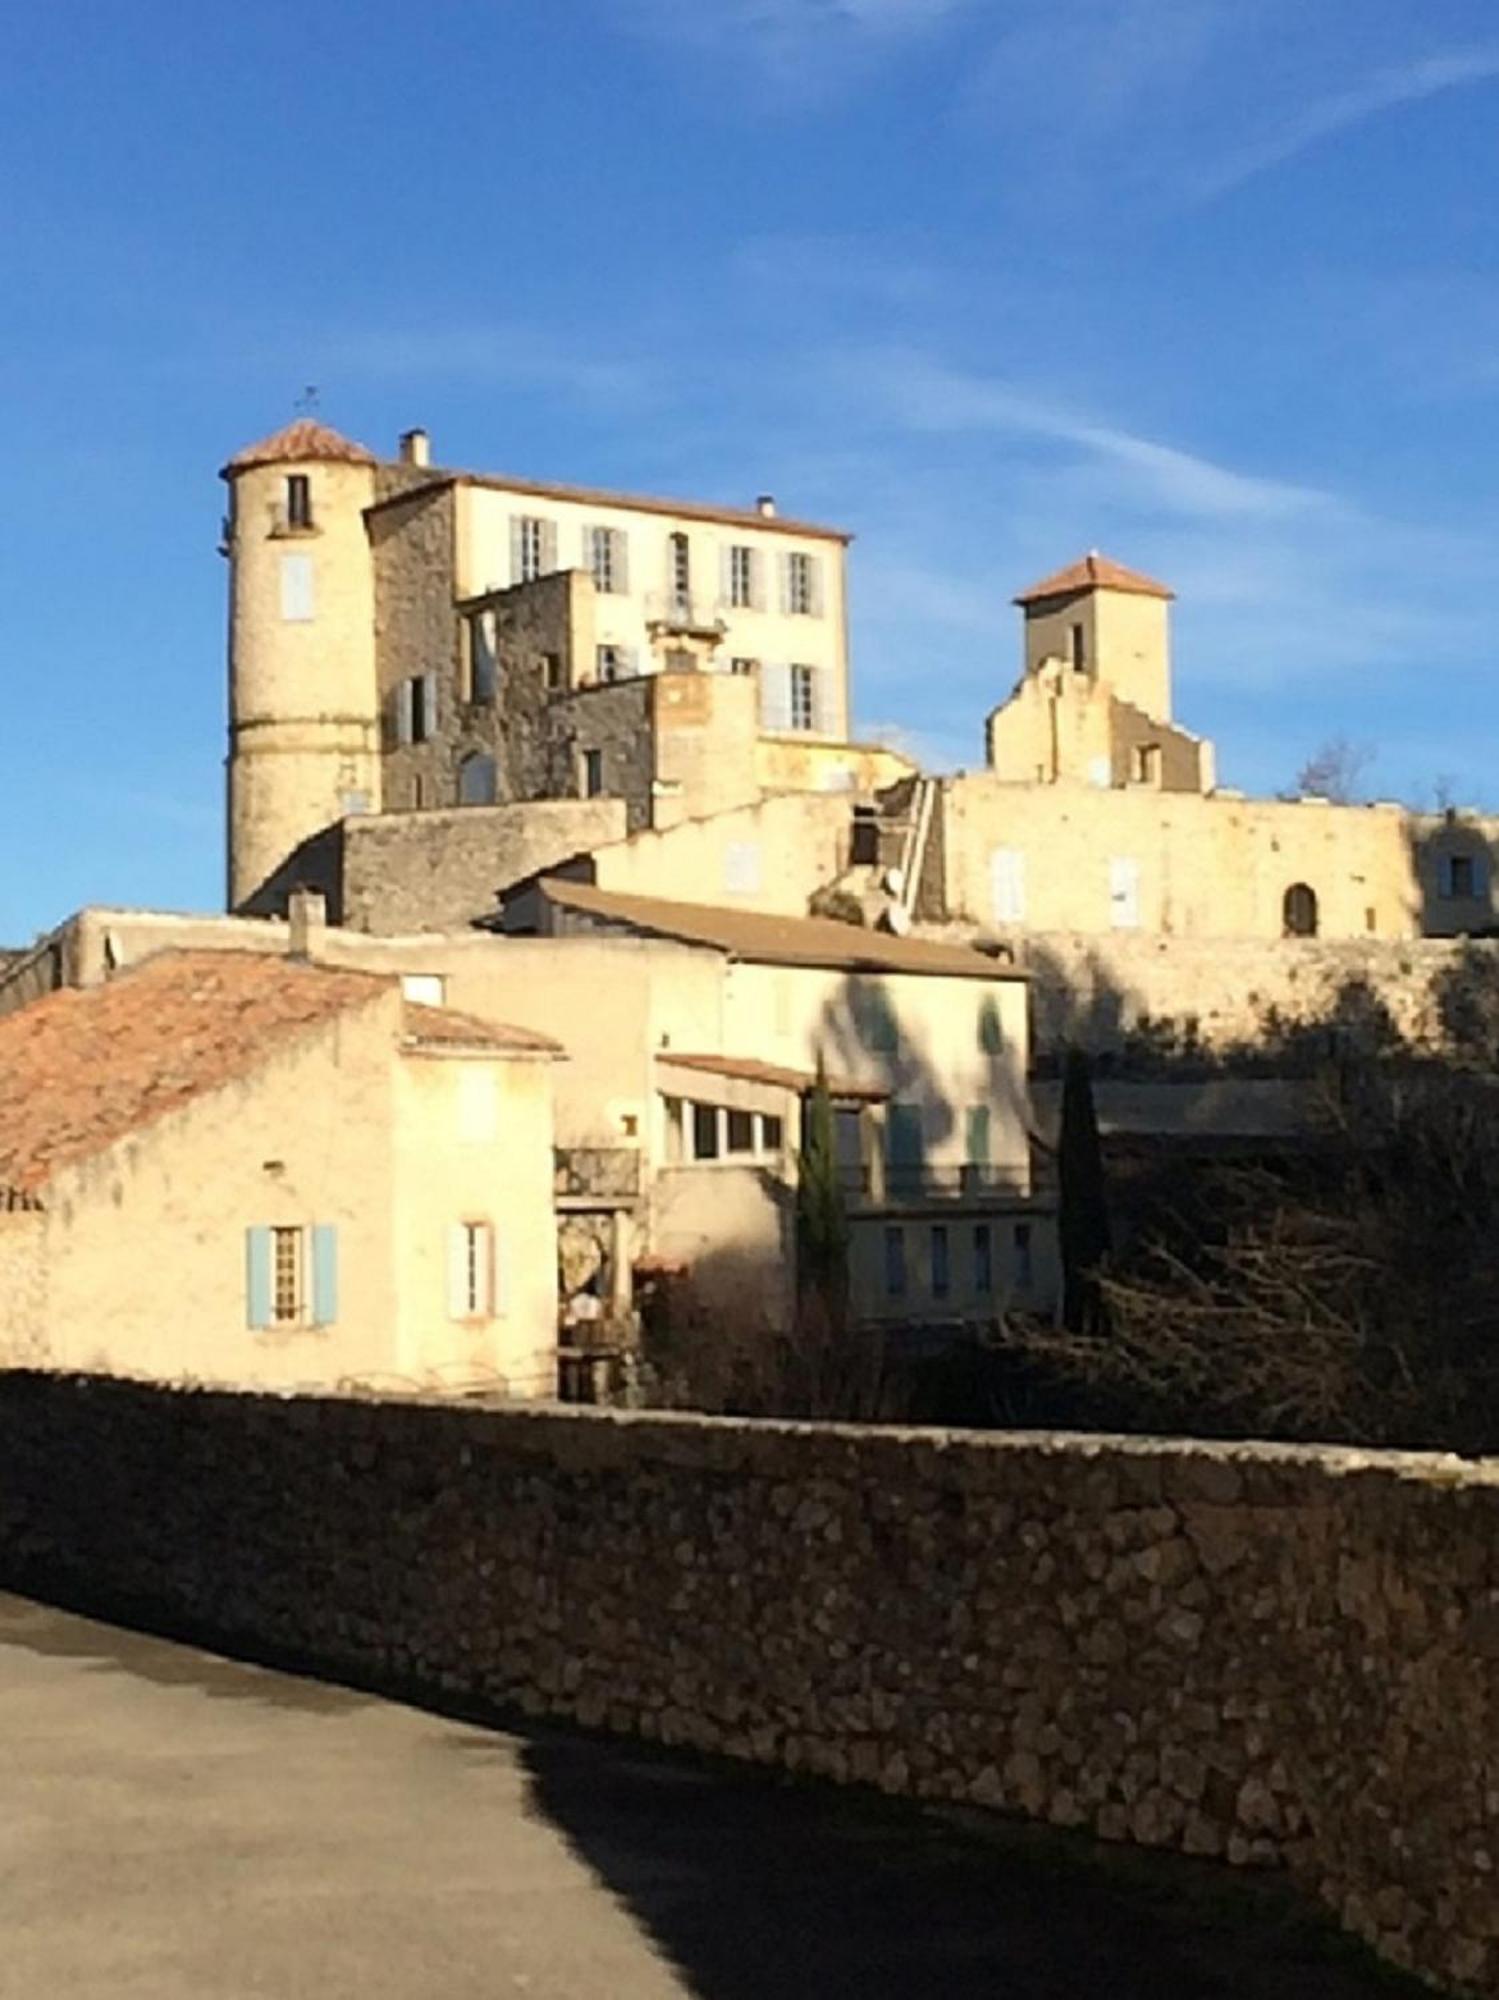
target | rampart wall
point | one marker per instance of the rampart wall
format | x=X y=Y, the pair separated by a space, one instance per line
x=1274 y=1655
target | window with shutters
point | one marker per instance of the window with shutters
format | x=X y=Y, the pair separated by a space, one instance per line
x=801 y=585
x=604 y=557
x=803 y=697
x=742 y=577
x=298 y=500
x=531 y=548
x=478 y=779
x=482 y=666
x=471 y=1270
x=291 y=1275
x=743 y=667
x=613 y=663
x=1461 y=876
x=286 y=1277
x=423 y=705
x=991 y=1027
x=593 y=773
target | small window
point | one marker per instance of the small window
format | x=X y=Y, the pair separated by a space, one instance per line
x=604 y=557
x=416 y=708
x=1148 y=764
x=1079 y=649
x=1025 y=1272
x=801 y=585
x=298 y=500
x=531 y=550
x=551 y=672
x=1462 y=876
x=429 y=989
x=771 y=1130
x=705 y=1132
x=978 y=1135
x=991 y=1027
x=744 y=668
x=611 y=663
x=742 y=577
x=983 y=1260
x=287 y=1279
x=895 y=1262
x=471 y=1271
x=941 y=1265
x=681 y=660
x=478 y=780
x=593 y=773
x=481 y=657
x=803 y=698
x=740 y=1133
x=679 y=567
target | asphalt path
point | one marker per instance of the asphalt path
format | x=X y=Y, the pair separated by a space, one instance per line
x=177 y=1826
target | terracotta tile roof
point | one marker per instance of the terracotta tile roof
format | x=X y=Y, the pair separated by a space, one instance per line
x=773 y=940
x=298 y=442
x=81 y=1068
x=746 y=1069
x=1094 y=572
x=640 y=503
x=441 y=1027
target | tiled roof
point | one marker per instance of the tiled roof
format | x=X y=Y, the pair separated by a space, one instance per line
x=640 y=503
x=773 y=940
x=441 y=1027
x=80 y=1069
x=746 y=1069
x=298 y=442
x=1094 y=572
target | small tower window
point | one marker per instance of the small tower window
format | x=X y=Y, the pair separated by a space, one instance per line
x=1079 y=650
x=1299 y=911
x=298 y=500
x=681 y=570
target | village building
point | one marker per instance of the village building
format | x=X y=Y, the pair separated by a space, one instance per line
x=239 y=1167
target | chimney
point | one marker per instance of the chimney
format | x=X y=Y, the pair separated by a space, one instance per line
x=306 y=921
x=766 y=505
x=416 y=448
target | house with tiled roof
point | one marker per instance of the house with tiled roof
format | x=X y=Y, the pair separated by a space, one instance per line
x=242 y=1167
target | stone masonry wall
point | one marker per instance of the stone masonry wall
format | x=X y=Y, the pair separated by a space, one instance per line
x=1268 y=1654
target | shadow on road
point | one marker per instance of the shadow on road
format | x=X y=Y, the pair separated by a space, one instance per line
x=754 y=1885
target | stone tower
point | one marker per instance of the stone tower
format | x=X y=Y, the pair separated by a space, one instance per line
x=304 y=724
x=1107 y=623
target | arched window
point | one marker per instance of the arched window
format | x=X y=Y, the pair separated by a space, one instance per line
x=1298 y=911
x=478 y=782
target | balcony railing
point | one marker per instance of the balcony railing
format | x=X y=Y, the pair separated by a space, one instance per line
x=685 y=612
x=596 y=1173
x=969 y=1182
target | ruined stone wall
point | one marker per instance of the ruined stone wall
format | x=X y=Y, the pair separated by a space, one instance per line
x=433 y=871
x=1275 y=1655
x=416 y=632
x=1114 y=994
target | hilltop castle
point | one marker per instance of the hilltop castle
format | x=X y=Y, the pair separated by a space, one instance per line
x=442 y=683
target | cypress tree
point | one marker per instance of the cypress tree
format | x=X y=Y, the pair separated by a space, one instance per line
x=821 y=1214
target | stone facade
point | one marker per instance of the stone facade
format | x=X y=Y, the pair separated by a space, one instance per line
x=1272 y=1655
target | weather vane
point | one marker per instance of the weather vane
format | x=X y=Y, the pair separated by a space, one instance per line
x=306 y=404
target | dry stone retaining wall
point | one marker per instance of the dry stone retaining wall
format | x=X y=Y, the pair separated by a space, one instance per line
x=1275 y=1655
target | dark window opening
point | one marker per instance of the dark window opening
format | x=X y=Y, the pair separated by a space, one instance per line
x=705 y=1131
x=1299 y=911
x=770 y=1130
x=593 y=773
x=298 y=500
x=941 y=1269
x=741 y=1133
x=895 y=1262
x=1079 y=650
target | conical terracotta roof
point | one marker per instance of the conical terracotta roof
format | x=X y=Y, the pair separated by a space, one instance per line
x=301 y=440
x=1094 y=572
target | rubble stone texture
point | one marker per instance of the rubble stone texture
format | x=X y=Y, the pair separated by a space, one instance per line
x=1274 y=1655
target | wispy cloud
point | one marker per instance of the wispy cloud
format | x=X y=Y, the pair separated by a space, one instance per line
x=1411 y=83
x=800 y=47
x=920 y=394
x=498 y=356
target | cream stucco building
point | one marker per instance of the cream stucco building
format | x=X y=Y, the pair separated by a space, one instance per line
x=236 y=1167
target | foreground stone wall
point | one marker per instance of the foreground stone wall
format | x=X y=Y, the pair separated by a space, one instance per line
x=1268 y=1654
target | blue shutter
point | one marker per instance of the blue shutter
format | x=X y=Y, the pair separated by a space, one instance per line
x=814 y=586
x=257 y=1277
x=517 y=547
x=548 y=547
x=324 y=1273
x=978 y=1135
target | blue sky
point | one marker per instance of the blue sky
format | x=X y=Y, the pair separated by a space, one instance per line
x=1208 y=284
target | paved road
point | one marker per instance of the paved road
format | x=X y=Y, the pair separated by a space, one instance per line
x=175 y=1826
